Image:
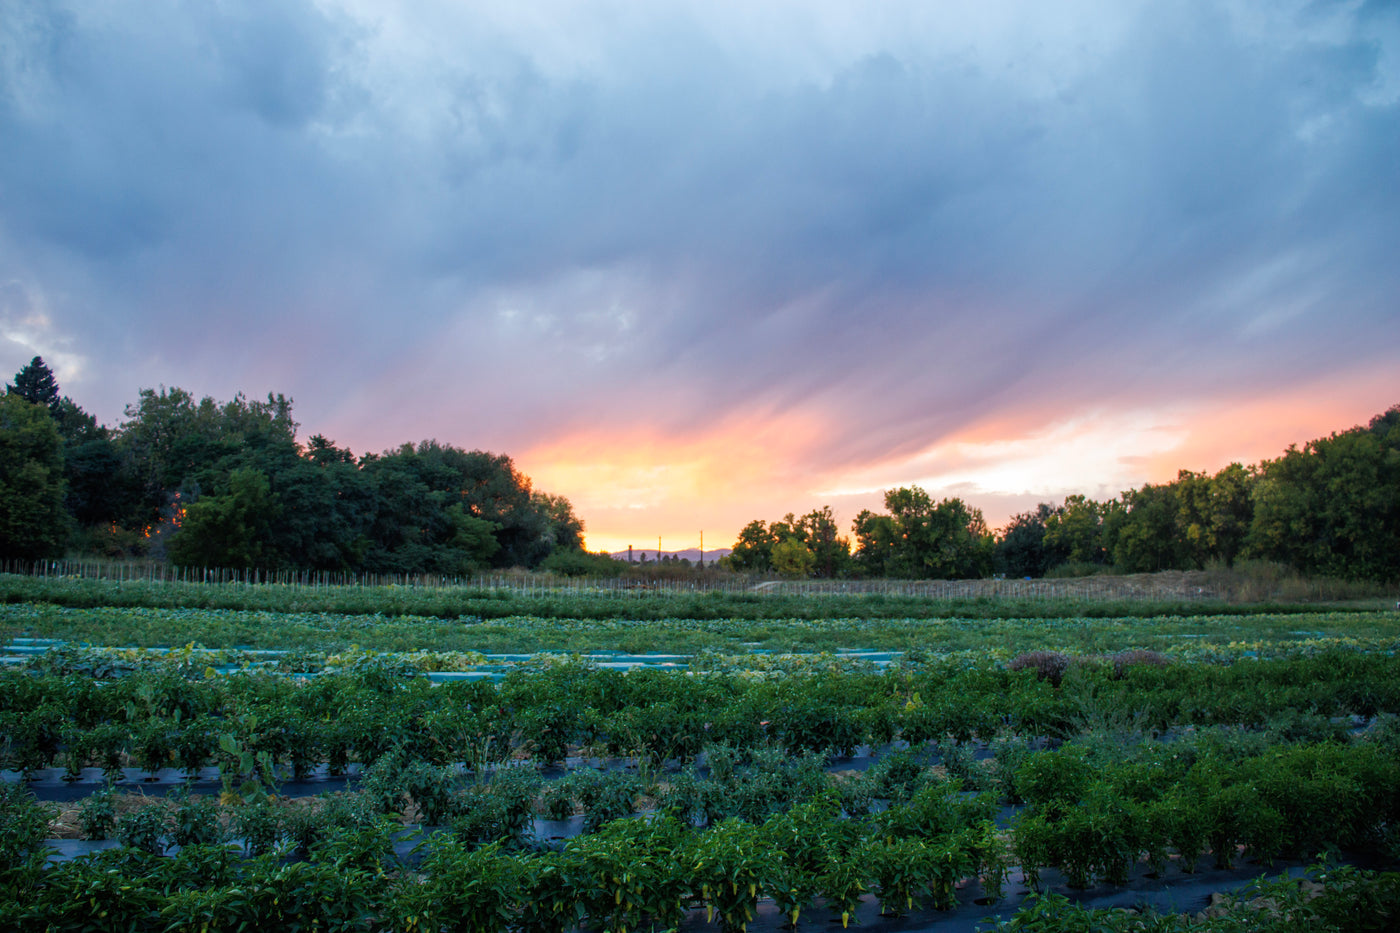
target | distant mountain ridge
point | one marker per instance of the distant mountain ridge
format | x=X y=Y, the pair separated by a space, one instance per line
x=691 y=554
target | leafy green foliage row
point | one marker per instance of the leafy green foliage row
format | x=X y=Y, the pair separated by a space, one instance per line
x=1096 y=819
x=628 y=874
x=250 y=723
x=1333 y=900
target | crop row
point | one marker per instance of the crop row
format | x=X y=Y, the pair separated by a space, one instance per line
x=392 y=628
x=159 y=720
x=627 y=874
x=574 y=602
x=1091 y=811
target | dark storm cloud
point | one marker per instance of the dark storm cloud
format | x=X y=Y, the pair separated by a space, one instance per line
x=912 y=227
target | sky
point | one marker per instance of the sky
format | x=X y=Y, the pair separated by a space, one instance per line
x=696 y=263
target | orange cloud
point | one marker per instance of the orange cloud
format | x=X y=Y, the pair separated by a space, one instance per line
x=633 y=484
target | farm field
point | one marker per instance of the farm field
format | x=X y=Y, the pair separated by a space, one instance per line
x=282 y=759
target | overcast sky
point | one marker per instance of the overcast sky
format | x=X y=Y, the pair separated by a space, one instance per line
x=693 y=263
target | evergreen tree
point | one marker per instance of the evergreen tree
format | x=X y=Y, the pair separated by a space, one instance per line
x=35 y=383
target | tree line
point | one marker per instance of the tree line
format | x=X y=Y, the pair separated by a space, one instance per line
x=209 y=484
x=204 y=483
x=1331 y=508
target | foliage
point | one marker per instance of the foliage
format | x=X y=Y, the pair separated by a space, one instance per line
x=794 y=547
x=33 y=523
x=24 y=825
x=921 y=539
x=97 y=815
x=227 y=531
x=580 y=563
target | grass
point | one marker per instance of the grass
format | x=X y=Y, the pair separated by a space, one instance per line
x=137 y=627
x=998 y=600
x=151 y=613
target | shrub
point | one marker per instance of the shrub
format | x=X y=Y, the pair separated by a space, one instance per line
x=1140 y=657
x=694 y=800
x=195 y=822
x=604 y=795
x=1009 y=752
x=307 y=827
x=24 y=825
x=261 y=826
x=1047 y=665
x=898 y=775
x=97 y=815
x=144 y=829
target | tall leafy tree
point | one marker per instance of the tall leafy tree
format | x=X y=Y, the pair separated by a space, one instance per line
x=819 y=533
x=95 y=490
x=1021 y=550
x=876 y=536
x=921 y=539
x=792 y=558
x=33 y=523
x=1148 y=538
x=816 y=534
x=753 y=551
x=1331 y=508
x=170 y=441
x=563 y=529
x=1076 y=529
x=432 y=494
x=230 y=530
x=1214 y=514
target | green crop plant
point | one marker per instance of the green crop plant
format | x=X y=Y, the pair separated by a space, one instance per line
x=261 y=826
x=195 y=821
x=730 y=864
x=465 y=890
x=97 y=815
x=24 y=825
x=799 y=837
x=145 y=829
x=845 y=879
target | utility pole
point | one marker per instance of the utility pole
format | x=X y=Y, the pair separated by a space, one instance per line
x=658 y=549
x=702 y=550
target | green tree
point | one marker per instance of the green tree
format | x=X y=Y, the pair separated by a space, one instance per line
x=921 y=539
x=831 y=553
x=817 y=532
x=1331 y=508
x=792 y=558
x=753 y=551
x=1148 y=538
x=1021 y=550
x=169 y=441
x=1386 y=427
x=228 y=530
x=35 y=383
x=415 y=523
x=472 y=542
x=95 y=490
x=1077 y=530
x=563 y=529
x=876 y=538
x=33 y=523
x=1214 y=513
